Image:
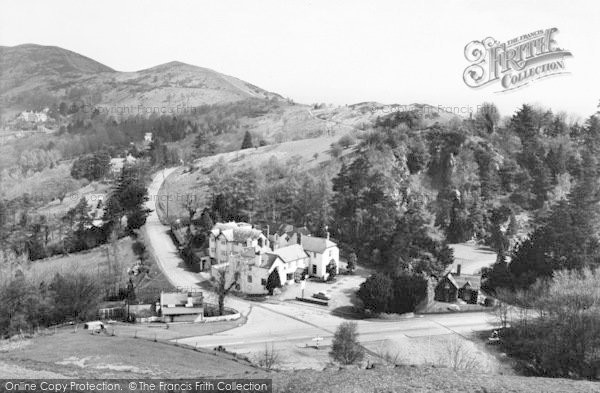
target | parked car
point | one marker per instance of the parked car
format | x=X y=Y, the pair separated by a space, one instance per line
x=321 y=295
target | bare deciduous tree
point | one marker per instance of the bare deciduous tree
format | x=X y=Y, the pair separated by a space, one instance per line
x=269 y=358
x=222 y=288
x=388 y=352
x=458 y=355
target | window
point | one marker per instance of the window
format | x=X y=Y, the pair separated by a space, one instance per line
x=249 y=278
x=314 y=270
x=263 y=282
x=290 y=276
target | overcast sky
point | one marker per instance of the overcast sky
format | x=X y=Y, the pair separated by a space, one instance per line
x=339 y=52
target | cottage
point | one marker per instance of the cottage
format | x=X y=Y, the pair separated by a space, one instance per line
x=454 y=286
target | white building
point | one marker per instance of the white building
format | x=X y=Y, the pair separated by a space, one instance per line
x=34 y=117
x=117 y=164
x=322 y=252
x=230 y=238
x=253 y=270
x=248 y=257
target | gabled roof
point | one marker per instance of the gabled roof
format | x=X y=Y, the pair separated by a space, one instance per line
x=237 y=232
x=290 y=253
x=316 y=244
x=267 y=260
x=464 y=279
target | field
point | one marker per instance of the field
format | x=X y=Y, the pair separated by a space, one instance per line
x=92 y=261
x=83 y=355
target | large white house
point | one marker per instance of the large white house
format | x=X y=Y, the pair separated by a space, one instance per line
x=230 y=238
x=248 y=257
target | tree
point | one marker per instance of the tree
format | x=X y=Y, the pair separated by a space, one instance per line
x=247 y=142
x=561 y=338
x=128 y=198
x=345 y=347
x=222 y=288
x=273 y=281
x=367 y=197
x=376 y=292
x=140 y=250
x=75 y=296
x=487 y=117
x=409 y=290
x=92 y=167
x=417 y=157
x=331 y=270
x=269 y=358
x=567 y=237
x=352 y=260
x=412 y=246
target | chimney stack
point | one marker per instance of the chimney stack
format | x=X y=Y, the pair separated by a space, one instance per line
x=458 y=269
x=327 y=231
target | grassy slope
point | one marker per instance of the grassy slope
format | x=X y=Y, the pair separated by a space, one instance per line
x=421 y=379
x=80 y=354
x=83 y=355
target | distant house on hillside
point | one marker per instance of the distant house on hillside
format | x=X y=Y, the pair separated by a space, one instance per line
x=455 y=286
x=33 y=117
x=117 y=164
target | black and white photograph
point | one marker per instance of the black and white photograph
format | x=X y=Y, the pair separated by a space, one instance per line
x=298 y=196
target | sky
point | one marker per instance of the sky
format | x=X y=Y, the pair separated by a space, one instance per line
x=338 y=52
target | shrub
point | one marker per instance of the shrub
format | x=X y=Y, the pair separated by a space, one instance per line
x=346 y=141
x=345 y=346
x=392 y=294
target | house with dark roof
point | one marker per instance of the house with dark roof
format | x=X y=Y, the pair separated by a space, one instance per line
x=455 y=286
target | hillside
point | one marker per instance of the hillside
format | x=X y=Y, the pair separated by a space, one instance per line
x=25 y=66
x=408 y=379
x=311 y=153
x=33 y=76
